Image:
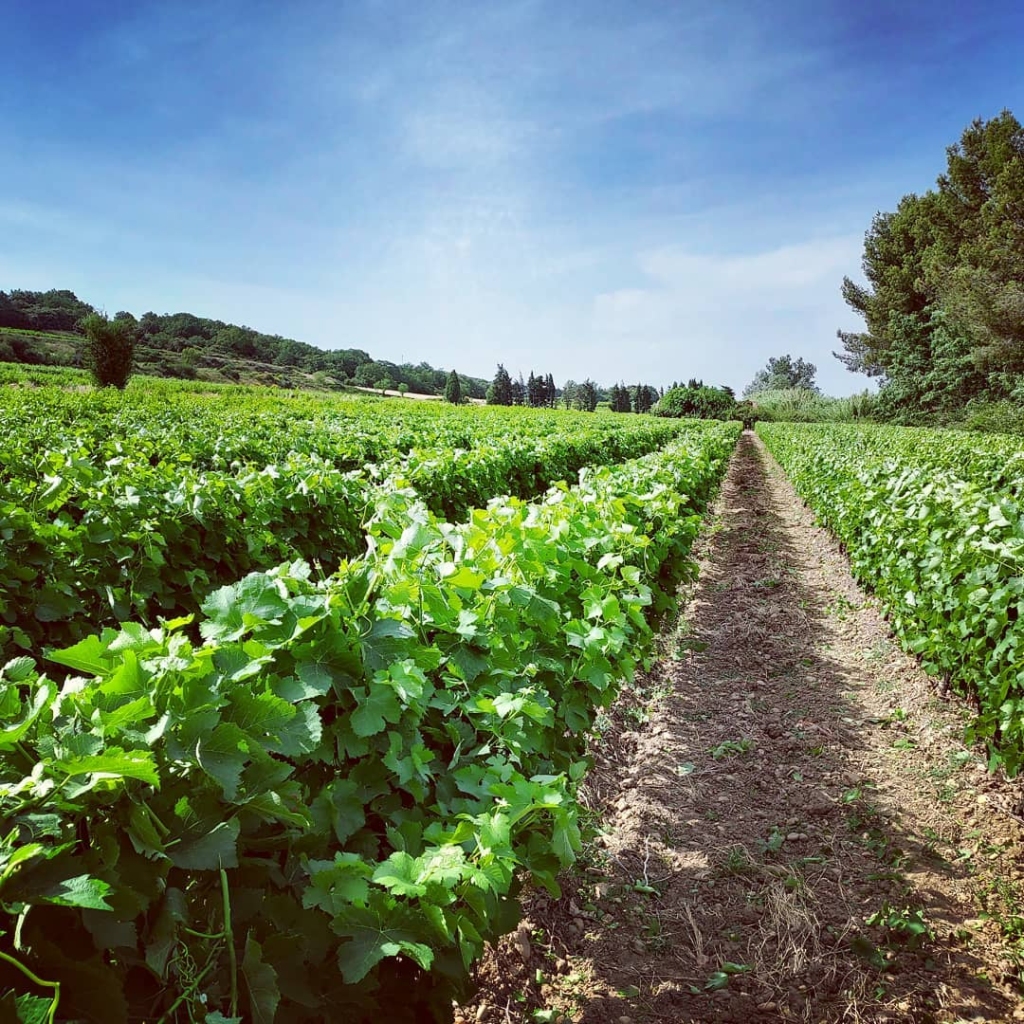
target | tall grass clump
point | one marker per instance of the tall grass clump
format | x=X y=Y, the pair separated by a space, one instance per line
x=799 y=405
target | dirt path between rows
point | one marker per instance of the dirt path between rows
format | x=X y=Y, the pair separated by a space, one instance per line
x=789 y=828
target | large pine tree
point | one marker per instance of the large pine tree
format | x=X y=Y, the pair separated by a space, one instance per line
x=943 y=307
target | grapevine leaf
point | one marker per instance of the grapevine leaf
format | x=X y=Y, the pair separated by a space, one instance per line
x=341 y=806
x=387 y=641
x=399 y=874
x=370 y=940
x=108 y=931
x=263 y=715
x=222 y=755
x=41 y=699
x=301 y=734
x=80 y=891
x=466 y=578
x=210 y=852
x=30 y=1009
x=88 y=655
x=469 y=663
x=164 y=933
x=133 y=712
x=335 y=883
x=565 y=838
x=18 y=669
x=235 y=610
x=132 y=637
x=114 y=763
x=379 y=706
x=261 y=981
x=316 y=677
x=271 y=807
x=406 y=678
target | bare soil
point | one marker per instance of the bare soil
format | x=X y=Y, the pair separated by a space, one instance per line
x=785 y=823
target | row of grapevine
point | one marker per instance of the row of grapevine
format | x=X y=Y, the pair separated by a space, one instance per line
x=944 y=553
x=162 y=422
x=91 y=537
x=324 y=808
x=995 y=461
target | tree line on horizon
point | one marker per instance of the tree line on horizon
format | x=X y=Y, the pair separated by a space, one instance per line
x=694 y=399
x=540 y=392
x=180 y=344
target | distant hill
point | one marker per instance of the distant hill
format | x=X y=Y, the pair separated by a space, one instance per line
x=42 y=328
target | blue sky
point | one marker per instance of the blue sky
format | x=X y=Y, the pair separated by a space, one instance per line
x=621 y=189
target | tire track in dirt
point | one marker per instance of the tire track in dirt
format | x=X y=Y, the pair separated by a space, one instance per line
x=790 y=829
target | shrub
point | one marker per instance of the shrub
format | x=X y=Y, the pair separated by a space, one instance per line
x=110 y=345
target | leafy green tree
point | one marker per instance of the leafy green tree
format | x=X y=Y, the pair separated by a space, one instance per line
x=110 y=347
x=696 y=402
x=585 y=396
x=367 y=375
x=453 y=389
x=518 y=391
x=501 y=388
x=780 y=373
x=943 y=307
x=894 y=248
x=982 y=289
x=540 y=391
x=383 y=384
x=569 y=394
x=643 y=397
x=552 y=391
x=55 y=310
x=403 y=389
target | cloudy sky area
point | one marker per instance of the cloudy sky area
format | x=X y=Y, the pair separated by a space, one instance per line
x=621 y=189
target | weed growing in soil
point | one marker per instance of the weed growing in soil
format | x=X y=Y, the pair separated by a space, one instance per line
x=904 y=926
x=731 y=748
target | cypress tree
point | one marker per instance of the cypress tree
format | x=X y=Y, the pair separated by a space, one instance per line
x=453 y=389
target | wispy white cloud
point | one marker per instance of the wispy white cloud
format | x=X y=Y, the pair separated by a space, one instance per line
x=777 y=277
x=610 y=189
x=699 y=306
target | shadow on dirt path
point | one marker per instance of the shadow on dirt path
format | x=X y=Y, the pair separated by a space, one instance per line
x=790 y=829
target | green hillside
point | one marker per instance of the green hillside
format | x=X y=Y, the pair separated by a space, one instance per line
x=42 y=329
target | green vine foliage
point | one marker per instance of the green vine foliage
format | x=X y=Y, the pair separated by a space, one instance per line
x=319 y=798
x=932 y=521
x=119 y=511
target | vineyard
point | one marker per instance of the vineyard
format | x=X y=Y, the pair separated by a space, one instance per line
x=297 y=692
x=133 y=507
x=932 y=523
